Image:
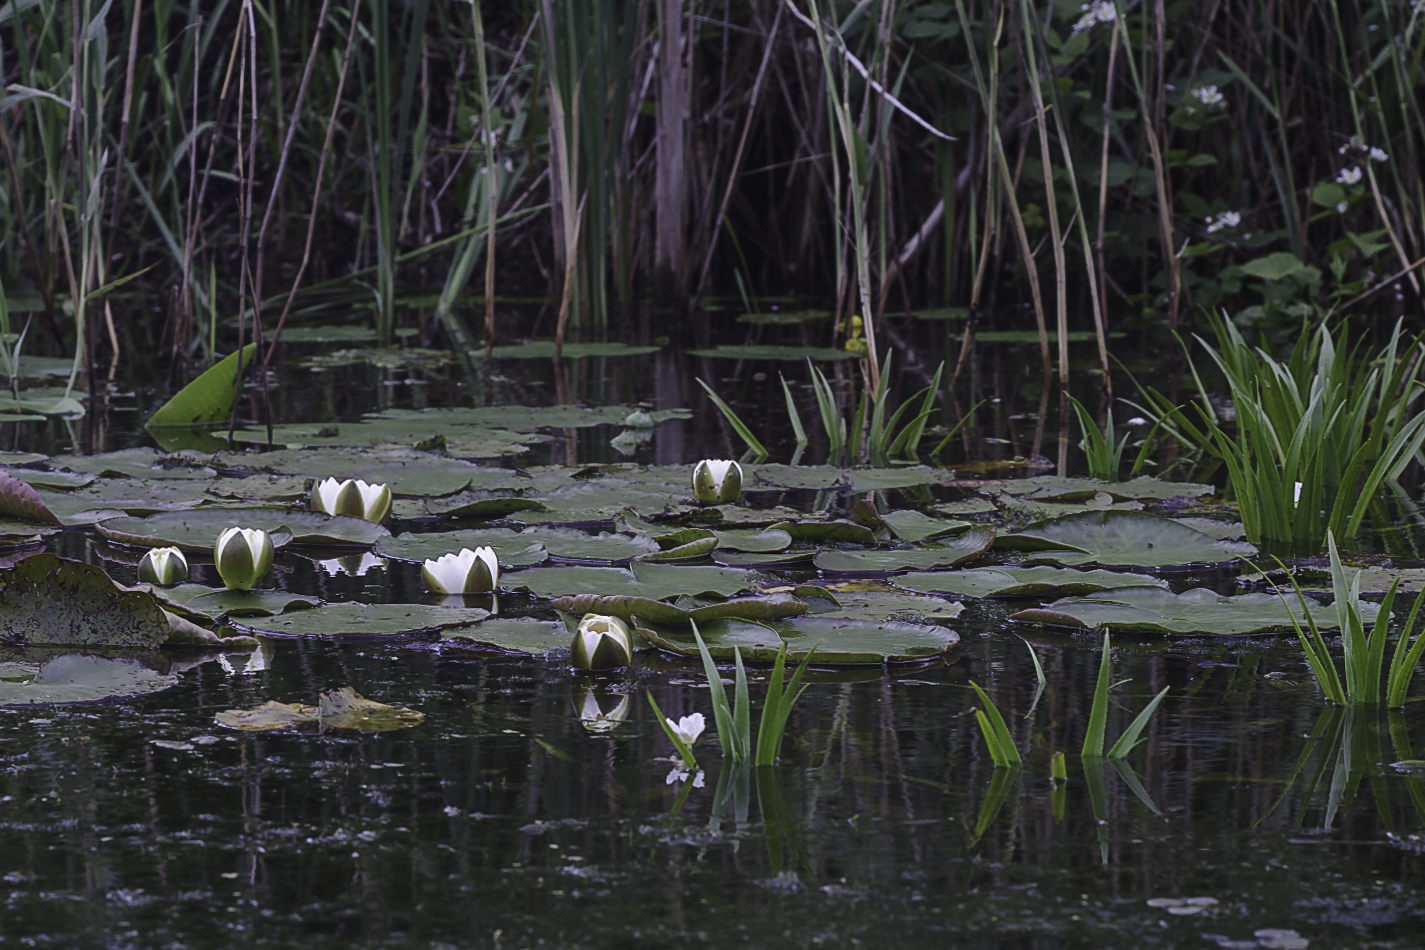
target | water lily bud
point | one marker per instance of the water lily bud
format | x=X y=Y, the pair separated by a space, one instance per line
x=163 y=566
x=352 y=497
x=601 y=643
x=594 y=717
x=243 y=556
x=717 y=481
x=469 y=572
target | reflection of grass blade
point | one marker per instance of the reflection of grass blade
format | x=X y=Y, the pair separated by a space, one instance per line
x=1135 y=784
x=992 y=726
x=1404 y=661
x=1097 y=785
x=994 y=800
x=737 y=424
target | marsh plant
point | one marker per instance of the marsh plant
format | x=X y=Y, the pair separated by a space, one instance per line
x=1363 y=667
x=1104 y=447
x=1312 y=439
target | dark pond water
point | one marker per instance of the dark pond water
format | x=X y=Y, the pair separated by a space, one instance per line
x=1253 y=815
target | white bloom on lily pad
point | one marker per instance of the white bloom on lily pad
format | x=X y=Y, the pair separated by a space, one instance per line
x=601 y=643
x=163 y=566
x=351 y=497
x=717 y=481
x=469 y=572
x=689 y=727
x=243 y=555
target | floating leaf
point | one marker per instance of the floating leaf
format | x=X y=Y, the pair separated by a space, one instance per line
x=511 y=548
x=751 y=351
x=837 y=640
x=514 y=634
x=827 y=532
x=270 y=716
x=1059 y=488
x=481 y=504
x=659 y=612
x=1197 y=611
x=1040 y=581
x=544 y=350
x=913 y=526
x=45 y=599
x=1126 y=538
x=345 y=708
x=19 y=500
x=365 y=620
x=880 y=603
x=752 y=539
x=198 y=530
x=940 y=554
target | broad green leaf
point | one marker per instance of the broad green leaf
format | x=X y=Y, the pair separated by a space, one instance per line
x=1008 y=581
x=209 y=398
x=945 y=553
x=514 y=634
x=1124 y=538
x=365 y=620
x=1197 y=611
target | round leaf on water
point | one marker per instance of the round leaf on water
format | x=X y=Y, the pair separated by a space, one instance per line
x=268 y=717
x=574 y=545
x=45 y=599
x=19 y=500
x=1041 y=581
x=511 y=548
x=944 y=553
x=345 y=708
x=544 y=350
x=758 y=559
x=752 y=539
x=79 y=678
x=650 y=581
x=757 y=643
x=1126 y=538
x=766 y=607
x=851 y=640
x=671 y=581
x=1197 y=611
x=365 y=620
x=828 y=532
x=912 y=526
x=198 y=530
x=249 y=603
x=514 y=634
x=883 y=479
x=882 y=604
x=688 y=551
x=751 y=351
x=141 y=463
x=480 y=504
x=1059 y=488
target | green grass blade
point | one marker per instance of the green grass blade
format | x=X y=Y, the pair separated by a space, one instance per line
x=684 y=751
x=797 y=429
x=1130 y=737
x=997 y=735
x=1098 y=712
x=737 y=424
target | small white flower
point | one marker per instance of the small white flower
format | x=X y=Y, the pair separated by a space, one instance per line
x=601 y=643
x=679 y=773
x=717 y=481
x=163 y=566
x=1296 y=495
x=1209 y=95
x=689 y=727
x=1341 y=207
x=352 y=497
x=1349 y=176
x=1094 y=13
x=469 y=572
x=1377 y=154
x=1223 y=221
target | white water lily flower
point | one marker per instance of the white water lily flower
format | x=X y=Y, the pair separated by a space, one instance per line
x=351 y=497
x=243 y=555
x=601 y=643
x=689 y=727
x=717 y=481
x=593 y=717
x=163 y=566
x=469 y=572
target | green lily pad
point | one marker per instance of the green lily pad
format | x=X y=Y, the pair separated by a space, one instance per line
x=946 y=553
x=138 y=463
x=76 y=678
x=1122 y=538
x=47 y=600
x=761 y=559
x=514 y=635
x=879 y=603
x=837 y=640
x=481 y=504
x=1197 y=611
x=544 y=350
x=19 y=500
x=512 y=549
x=912 y=526
x=827 y=532
x=753 y=539
x=659 y=612
x=248 y=603
x=753 y=351
x=647 y=580
x=198 y=530
x=885 y=479
x=1059 y=488
x=1039 y=581
x=365 y=620
x=573 y=545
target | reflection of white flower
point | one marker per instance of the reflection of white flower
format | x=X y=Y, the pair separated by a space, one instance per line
x=679 y=773
x=1223 y=221
x=355 y=565
x=1094 y=13
x=689 y=727
x=593 y=717
x=1349 y=176
x=1209 y=95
